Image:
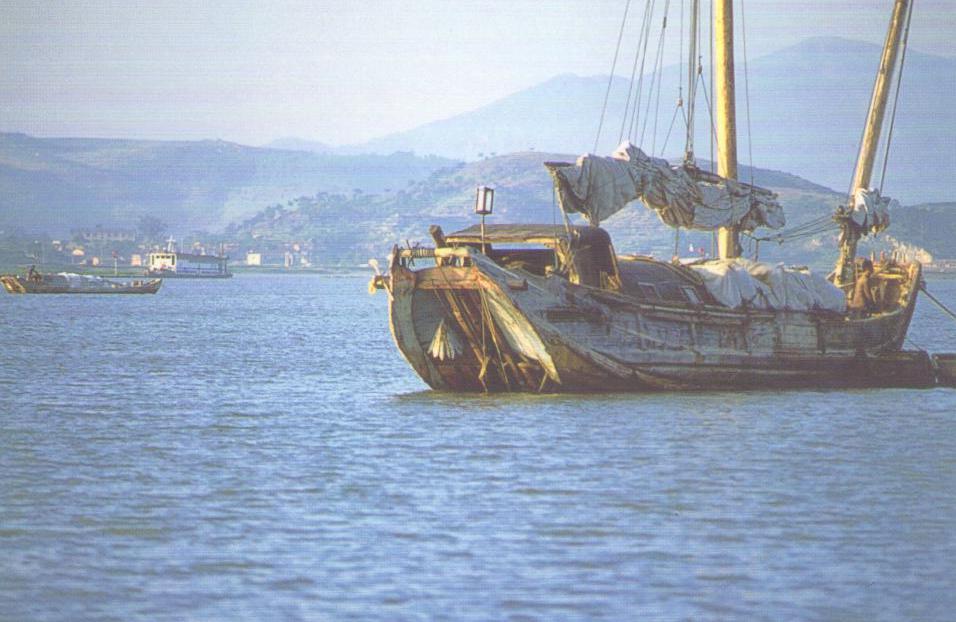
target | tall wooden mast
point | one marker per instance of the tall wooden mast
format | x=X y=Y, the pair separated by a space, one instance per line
x=692 y=69
x=850 y=233
x=728 y=244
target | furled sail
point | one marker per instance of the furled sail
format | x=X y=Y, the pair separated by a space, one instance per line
x=599 y=187
x=871 y=211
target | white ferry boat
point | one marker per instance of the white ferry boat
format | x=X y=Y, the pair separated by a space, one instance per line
x=171 y=263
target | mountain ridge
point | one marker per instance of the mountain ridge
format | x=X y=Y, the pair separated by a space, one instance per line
x=808 y=104
x=59 y=184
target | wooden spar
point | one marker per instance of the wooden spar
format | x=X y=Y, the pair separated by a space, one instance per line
x=881 y=93
x=691 y=81
x=845 y=273
x=728 y=244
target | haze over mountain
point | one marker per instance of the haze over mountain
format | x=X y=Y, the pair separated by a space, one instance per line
x=59 y=184
x=299 y=144
x=807 y=107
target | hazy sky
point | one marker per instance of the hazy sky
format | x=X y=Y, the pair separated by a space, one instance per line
x=341 y=72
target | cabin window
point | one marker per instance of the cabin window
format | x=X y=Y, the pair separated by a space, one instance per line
x=691 y=295
x=671 y=291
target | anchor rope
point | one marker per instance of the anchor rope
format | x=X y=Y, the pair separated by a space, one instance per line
x=937 y=302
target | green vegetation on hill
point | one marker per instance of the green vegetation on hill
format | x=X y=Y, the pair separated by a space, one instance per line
x=349 y=208
x=348 y=229
x=929 y=225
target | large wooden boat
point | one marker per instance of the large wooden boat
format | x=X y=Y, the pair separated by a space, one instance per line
x=554 y=308
x=68 y=283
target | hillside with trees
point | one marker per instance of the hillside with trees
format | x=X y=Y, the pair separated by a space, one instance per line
x=347 y=229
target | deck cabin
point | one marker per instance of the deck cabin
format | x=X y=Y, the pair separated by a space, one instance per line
x=172 y=263
x=585 y=256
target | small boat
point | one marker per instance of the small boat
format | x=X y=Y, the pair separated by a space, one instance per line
x=70 y=283
x=174 y=264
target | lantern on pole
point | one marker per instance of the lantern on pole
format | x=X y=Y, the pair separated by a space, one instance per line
x=484 y=205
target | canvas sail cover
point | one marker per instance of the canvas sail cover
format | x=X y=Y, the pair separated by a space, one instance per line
x=871 y=211
x=599 y=187
x=740 y=282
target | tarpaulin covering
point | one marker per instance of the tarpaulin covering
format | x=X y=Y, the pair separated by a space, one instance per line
x=871 y=212
x=740 y=282
x=599 y=187
x=79 y=281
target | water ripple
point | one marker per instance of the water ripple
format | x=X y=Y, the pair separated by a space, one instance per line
x=256 y=449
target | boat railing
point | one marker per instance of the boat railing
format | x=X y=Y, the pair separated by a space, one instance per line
x=422 y=252
x=448 y=255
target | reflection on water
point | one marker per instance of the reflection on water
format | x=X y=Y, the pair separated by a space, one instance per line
x=257 y=449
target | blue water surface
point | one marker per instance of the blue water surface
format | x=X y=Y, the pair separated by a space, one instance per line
x=256 y=449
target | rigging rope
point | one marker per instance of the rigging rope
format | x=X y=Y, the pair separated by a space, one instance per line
x=658 y=60
x=680 y=56
x=813 y=223
x=750 y=147
x=640 y=54
x=713 y=126
x=660 y=81
x=780 y=238
x=816 y=226
x=610 y=79
x=667 y=138
x=680 y=85
x=713 y=136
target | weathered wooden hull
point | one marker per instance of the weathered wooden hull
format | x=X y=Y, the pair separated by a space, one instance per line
x=516 y=332
x=19 y=285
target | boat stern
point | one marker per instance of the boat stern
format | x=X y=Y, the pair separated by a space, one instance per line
x=13 y=284
x=456 y=325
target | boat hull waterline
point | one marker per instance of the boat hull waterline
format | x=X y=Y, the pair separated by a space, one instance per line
x=20 y=285
x=513 y=331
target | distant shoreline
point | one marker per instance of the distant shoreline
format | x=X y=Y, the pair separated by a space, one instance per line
x=133 y=272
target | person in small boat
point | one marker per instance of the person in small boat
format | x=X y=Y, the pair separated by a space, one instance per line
x=863 y=300
x=33 y=275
